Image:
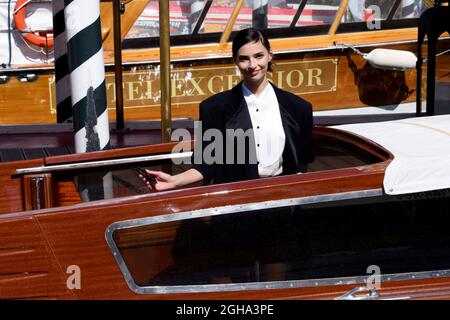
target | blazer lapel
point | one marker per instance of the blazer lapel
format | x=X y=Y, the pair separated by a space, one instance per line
x=292 y=133
x=240 y=119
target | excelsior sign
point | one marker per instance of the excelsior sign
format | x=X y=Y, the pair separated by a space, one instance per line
x=192 y=85
x=189 y=86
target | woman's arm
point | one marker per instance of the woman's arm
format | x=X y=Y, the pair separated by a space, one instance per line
x=165 y=181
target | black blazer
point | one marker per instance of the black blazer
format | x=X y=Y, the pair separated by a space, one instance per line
x=228 y=110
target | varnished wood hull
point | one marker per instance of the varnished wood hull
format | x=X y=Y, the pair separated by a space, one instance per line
x=40 y=247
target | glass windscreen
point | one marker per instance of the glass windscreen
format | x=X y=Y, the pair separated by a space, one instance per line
x=201 y=17
x=184 y=15
x=119 y=182
x=366 y=10
x=409 y=9
x=317 y=13
x=333 y=239
x=373 y=15
x=182 y=19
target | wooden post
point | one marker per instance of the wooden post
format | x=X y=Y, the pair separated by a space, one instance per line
x=118 y=65
x=164 y=52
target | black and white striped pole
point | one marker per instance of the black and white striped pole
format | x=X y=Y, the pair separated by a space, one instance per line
x=196 y=10
x=87 y=75
x=409 y=8
x=259 y=14
x=62 y=76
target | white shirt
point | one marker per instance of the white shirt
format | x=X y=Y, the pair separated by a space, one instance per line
x=268 y=130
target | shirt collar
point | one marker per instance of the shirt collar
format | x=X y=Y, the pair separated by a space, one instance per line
x=248 y=94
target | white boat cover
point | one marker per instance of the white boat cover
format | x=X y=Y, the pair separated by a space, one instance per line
x=421 y=149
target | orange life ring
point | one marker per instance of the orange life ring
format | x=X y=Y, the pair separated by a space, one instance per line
x=43 y=39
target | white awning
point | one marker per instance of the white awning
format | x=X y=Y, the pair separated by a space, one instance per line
x=421 y=149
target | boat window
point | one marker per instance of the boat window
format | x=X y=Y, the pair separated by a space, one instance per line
x=285 y=243
x=203 y=21
x=362 y=10
x=219 y=14
x=183 y=16
x=362 y=15
x=411 y=9
x=197 y=17
x=260 y=14
x=317 y=12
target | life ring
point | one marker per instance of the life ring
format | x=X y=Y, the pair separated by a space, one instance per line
x=43 y=39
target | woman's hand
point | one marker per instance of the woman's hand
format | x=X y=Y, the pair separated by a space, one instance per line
x=164 y=181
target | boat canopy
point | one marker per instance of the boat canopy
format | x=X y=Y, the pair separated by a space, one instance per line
x=421 y=149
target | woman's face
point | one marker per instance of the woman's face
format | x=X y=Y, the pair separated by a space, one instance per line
x=253 y=60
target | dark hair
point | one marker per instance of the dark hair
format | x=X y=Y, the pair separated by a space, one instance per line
x=249 y=35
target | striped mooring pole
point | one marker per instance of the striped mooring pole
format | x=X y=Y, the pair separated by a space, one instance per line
x=62 y=76
x=196 y=10
x=409 y=8
x=87 y=75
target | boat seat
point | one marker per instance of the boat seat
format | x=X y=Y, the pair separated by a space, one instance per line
x=57 y=151
x=7 y=155
x=34 y=153
x=17 y=154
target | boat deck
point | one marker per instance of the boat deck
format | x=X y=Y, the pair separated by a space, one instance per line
x=32 y=142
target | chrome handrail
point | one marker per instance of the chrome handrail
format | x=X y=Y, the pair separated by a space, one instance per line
x=101 y=163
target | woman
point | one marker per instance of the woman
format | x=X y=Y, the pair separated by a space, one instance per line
x=276 y=125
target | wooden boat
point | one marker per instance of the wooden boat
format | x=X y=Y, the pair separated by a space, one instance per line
x=85 y=226
x=311 y=61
